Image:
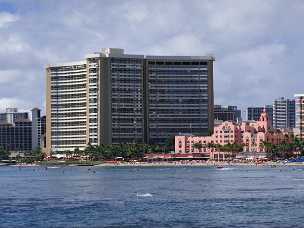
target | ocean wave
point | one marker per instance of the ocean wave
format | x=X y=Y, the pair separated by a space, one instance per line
x=144 y=195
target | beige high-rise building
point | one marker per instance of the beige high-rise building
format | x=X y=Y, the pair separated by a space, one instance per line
x=112 y=97
x=66 y=106
x=299 y=100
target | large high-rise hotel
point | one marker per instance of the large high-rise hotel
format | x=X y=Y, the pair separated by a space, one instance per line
x=112 y=97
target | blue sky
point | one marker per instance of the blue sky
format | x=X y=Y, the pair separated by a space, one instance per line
x=257 y=44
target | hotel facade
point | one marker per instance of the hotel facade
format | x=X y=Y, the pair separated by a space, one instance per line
x=250 y=134
x=112 y=97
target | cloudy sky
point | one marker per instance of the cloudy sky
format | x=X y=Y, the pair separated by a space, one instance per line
x=258 y=44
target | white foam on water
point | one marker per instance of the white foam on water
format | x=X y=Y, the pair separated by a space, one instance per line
x=26 y=165
x=144 y=195
x=226 y=168
x=53 y=167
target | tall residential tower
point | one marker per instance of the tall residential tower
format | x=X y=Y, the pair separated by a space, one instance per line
x=284 y=113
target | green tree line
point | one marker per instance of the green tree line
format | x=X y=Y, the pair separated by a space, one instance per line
x=30 y=156
x=112 y=151
x=284 y=150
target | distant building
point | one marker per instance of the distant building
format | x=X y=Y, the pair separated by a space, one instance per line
x=18 y=133
x=254 y=113
x=269 y=111
x=299 y=103
x=227 y=113
x=11 y=115
x=284 y=113
x=15 y=131
x=38 y=129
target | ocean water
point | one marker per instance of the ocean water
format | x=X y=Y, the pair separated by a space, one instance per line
x=151 y=197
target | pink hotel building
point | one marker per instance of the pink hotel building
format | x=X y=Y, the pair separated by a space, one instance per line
x=250 y=134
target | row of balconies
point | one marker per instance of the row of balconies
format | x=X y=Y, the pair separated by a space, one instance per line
x=68 y=91
x=68 y=81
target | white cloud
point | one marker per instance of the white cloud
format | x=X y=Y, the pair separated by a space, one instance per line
x=8 y=76
x=6 y=18
x=254 y=76
x=257 y=59
x=12 y=44
x=135 y=13
x=9 y=102
x=239 y=16
x=182 y=44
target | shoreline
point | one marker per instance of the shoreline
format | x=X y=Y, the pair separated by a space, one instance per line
x=213 y=164
x=158 y=164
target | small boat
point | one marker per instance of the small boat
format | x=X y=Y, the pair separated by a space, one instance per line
x=220 y=167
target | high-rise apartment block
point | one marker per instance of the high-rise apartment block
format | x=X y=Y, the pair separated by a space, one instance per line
x=121 y=98
x=284 y=113
x=15 y=130
x=20 y=134
x=11 y=115
x=227 y=113
x=112 y=97
x=38 y=129
x=299 y=103
x=179 y=96
x=254 y=113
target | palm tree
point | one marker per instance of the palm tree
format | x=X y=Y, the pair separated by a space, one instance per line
x=236 y=148
x=198 y=146
x=267 y=146
x=68 y=153
x=211 y=145
x=169 y=144
x=77 y=151
x=271 y=150
x=298 y=145
x=37 y=154
x=232 y=149
x=4 y=154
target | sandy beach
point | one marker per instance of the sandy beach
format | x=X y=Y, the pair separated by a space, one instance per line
x=218 y=164
x=195 y=164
